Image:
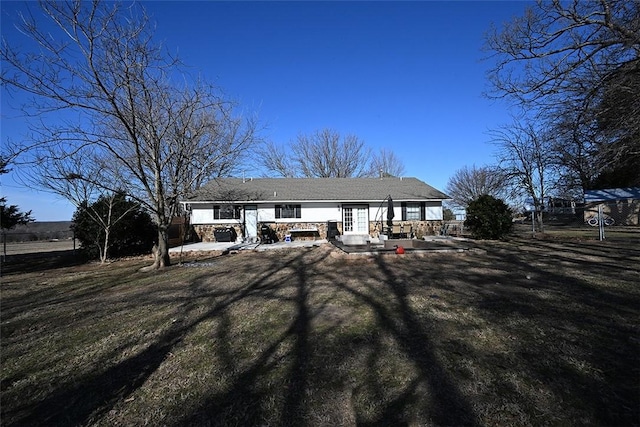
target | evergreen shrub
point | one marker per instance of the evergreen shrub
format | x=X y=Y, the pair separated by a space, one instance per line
x=489 y=218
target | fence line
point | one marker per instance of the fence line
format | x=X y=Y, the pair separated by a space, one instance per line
x=33 y=236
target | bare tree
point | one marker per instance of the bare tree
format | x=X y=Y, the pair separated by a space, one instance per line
x=385 y=163
x=326 y=154
x=575 y=151
x=105 y=213
x=65 y=177
x=575 y=65
x=563 y=49
x=141 y=131
x=469 y=183
x=525 y=161
x=276 y=160
x=617 y=117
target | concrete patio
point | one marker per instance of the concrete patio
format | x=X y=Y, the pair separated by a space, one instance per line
x=235 y=246
x=373 y=247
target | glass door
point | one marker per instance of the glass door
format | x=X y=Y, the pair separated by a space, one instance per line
x=251 y=223
x=355 y=219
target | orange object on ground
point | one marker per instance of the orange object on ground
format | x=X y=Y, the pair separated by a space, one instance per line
x=399 y=250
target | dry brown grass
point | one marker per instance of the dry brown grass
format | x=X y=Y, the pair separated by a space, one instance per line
x=526 y=332
x=17 y=248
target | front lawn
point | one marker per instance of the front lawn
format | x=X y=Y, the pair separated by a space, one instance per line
x=524 y=332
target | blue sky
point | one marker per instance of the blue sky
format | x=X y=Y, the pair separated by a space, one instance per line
x=406 y=76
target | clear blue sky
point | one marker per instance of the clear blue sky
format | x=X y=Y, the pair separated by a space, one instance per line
x=406 y=76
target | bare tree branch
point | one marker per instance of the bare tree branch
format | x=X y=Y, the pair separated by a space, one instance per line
x=575 y=66
x=469 y=183
x=385 y=163
x=137 y=128
x=525 y=161
x=326 y=154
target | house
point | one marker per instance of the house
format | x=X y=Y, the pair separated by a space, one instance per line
x=620 y=204
x=552 y=205
x=310 y=208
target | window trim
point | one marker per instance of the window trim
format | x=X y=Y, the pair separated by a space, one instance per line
x=423 y=211
x=235 y=209
x=297 y=211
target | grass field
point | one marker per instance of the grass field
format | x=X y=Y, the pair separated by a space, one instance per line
x=524 y=332
x=19 y=248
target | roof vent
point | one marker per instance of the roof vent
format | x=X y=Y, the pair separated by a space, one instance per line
x=275 y=193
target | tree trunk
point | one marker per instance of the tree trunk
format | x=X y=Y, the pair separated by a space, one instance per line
x=540 y=222
x=162 y=253
x=104 y=252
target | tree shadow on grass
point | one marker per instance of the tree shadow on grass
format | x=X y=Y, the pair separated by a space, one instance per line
x=77 y=404
x=432 y=396
x=303 y=361
x=87 y=399
x=314 y=363
x=583 y=346
x=41 y=261
x=245 y=400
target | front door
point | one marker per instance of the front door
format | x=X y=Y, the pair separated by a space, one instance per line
x=355 y=219
x=251 y=223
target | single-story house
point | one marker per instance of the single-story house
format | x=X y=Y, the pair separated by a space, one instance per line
x=297 y=208
x=621 y=204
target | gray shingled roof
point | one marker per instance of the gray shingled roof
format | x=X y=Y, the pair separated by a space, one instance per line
x=315 y=189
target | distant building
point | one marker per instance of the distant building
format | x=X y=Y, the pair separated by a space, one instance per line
x=561 y=206
x=553 y=205
x=621 y=204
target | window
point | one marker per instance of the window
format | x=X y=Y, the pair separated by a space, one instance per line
x=348 y=219
x=288 y=211
x=413 y=211
x=226 y=212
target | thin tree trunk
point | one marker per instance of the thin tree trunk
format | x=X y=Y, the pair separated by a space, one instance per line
x=105 y=250
x=540 y=222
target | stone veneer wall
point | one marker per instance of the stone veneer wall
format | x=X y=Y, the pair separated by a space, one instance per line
x=205 y=232
x=426 y=228
x=420 y=228
x=282 y=229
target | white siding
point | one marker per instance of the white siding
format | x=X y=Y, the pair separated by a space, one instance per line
x=433 y=211
x=202 y=213
x=321 y=212
x=377 y=213
x=309 y=212
x=266 y=213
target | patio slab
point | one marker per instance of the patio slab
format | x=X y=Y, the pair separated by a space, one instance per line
x=233 y=246
x=431 y=244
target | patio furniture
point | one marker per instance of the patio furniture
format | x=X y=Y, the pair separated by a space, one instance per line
x=267 y=235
